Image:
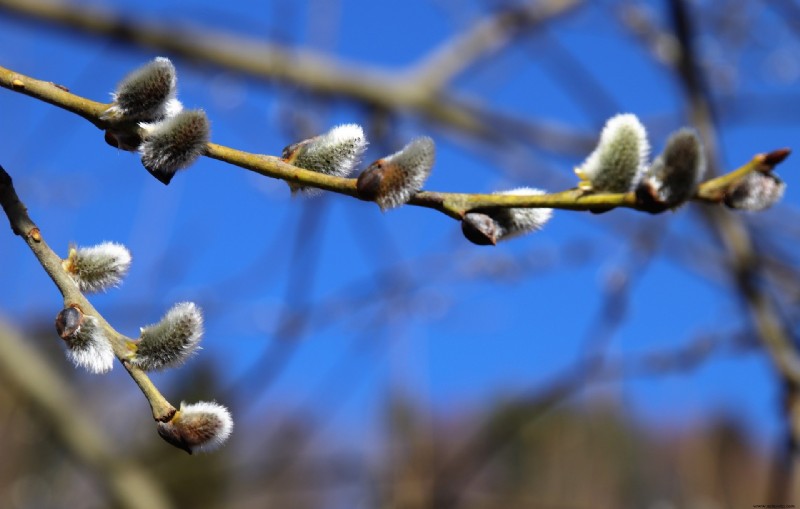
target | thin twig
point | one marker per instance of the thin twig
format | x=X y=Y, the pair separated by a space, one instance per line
x=489 y=34
x=744 y=266
x=22 y=225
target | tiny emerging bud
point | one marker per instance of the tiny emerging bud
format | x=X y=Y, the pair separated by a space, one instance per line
x=174 y=143
x=391 y=181
x=172 y=340
x=334 y=153
x=756 y=191
x=493 y=225
x=146 y=94
x=618 y=162
x=675 y=174
x=202 y=426
x=87 y=345
x=99 y=267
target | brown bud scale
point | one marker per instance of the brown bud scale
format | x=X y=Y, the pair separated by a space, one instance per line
x=68 y=322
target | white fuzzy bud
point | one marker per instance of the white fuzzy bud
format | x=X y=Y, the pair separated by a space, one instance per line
x=87 y=345
x=675 y=174
x=756 y=191
x=392 y=180
x=334 y=153
x=171 y=341
x=146 y=94
x=99 y=267
x=202 y=426
x=493 y=225
x=620 y=159
x=174 y=144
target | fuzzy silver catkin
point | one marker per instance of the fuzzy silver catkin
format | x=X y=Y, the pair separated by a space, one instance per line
x=392 y=180
x=99 y=267
x=147 y=94
x=171 y=341
x=518 y=221
x=87 y=345
x=620 y=159
x=494 y=225
x=202 y=426
x=756 y=191
x=174 y=144
x=334 y=153
x=675 y=174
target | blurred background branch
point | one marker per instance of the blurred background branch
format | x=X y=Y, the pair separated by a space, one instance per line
x=29 y=378
x=418 y=91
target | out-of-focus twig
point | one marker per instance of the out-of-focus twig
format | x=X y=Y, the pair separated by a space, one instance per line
x=493 y=436
x=745 y=267
x=443 y=64
x=39 y=385
x=381 y=89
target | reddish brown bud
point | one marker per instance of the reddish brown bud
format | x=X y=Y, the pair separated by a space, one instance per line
x=480 y=229
x=369 y=182
x=776 y=157
x=68 y=322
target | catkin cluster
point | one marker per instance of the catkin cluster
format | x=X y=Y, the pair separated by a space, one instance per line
x=620 y=164
x=170 y=139
x=166 y=344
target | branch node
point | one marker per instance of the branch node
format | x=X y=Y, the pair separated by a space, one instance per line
x=34 y=234
x=454 y=208
x=167 y=415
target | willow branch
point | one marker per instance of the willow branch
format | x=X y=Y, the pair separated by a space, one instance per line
x=22 y=225
x=454 y=205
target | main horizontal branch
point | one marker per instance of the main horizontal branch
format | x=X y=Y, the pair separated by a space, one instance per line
x=455 y=205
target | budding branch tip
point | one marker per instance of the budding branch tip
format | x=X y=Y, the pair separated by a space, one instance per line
x=774 y=158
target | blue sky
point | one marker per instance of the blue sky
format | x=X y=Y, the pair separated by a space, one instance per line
x=479 y=323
